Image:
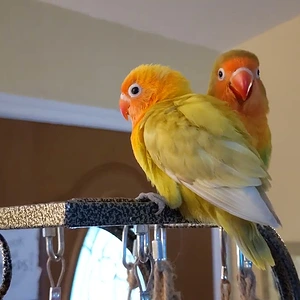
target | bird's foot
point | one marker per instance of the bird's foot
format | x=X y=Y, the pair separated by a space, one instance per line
x=159 y=200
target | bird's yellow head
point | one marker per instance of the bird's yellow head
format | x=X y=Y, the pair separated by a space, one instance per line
x=148 y=84
x=236 y=79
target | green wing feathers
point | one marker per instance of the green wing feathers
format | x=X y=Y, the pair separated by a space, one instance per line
x=200 y=143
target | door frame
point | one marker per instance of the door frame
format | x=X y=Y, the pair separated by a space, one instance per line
x=24 y=108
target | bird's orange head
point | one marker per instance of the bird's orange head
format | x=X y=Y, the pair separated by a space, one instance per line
x=148 y=84
x=236 y=79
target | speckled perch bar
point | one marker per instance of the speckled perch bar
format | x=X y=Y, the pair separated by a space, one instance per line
x=87 y=212
x=81 y=212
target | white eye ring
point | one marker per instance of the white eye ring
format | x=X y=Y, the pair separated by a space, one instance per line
x=221 y=74
x=257 y=73
x=134 y=90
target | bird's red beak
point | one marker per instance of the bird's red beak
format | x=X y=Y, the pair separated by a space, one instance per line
x=124 y=105
x=241 y=83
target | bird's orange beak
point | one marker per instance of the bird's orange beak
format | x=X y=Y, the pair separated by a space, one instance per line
x=241 y=83
x=124 y=105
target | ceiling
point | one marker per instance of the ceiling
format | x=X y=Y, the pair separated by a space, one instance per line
x=212 y=23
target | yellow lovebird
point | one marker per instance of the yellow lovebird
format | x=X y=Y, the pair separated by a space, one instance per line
x=197 y=153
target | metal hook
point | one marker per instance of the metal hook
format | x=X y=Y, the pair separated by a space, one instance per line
x=127 y=265
x=223 y=237
x=7 y=267
x=225 y=284
x=49 y=233
x=159 y=244
x=144 y=294
x=52 y=284
x=141 y=251
x=142 y=242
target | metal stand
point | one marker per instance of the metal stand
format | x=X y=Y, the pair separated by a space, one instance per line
x=7 y=267
x=82 y=213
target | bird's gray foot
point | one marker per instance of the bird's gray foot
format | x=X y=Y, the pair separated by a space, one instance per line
x=159 y=200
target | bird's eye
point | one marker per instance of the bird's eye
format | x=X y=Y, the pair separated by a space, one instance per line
x=221 y=74
x=257 y=73
x=134 y=90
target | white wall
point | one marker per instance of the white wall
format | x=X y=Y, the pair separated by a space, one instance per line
x=49 y=52
x=279 y=52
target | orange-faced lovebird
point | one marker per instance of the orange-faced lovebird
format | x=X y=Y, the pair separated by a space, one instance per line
x=235 y=78
x=198 y=154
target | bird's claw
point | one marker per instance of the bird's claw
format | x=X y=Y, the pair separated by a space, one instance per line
x=159 y=200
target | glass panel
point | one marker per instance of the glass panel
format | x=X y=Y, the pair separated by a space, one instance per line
x=100 y=272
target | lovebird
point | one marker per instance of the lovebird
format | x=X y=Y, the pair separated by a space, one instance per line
x=235 y=78
x=198 y=154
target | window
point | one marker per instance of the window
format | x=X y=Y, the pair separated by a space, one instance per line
x=100 y=272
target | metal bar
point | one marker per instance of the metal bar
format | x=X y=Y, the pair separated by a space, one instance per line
x=103 y=212
x=87 y=212
x=284 y=271
x=6 y=267
x=32 y=216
